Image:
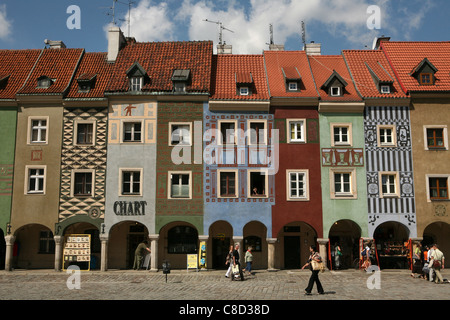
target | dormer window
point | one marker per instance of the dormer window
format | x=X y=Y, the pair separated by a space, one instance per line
x=335 y=85
x=180 y=79
x=385 y=89
x=44 y=82
x=136 y=83
x=243 y=91
x=3 y=80
x=425 y=73
x=86 y=82
x=137 y=77
x=292 y=79
x=335 y=91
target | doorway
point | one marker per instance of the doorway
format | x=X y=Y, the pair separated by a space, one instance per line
x=292 y=252
x=220 y=250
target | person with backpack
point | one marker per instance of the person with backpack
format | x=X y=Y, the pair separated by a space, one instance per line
x=365 y=256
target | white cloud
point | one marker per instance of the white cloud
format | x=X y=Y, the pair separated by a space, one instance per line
x=5 y=23
x=249 y=20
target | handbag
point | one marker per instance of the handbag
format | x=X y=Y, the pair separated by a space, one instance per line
x=436 y=264
x=317 y=265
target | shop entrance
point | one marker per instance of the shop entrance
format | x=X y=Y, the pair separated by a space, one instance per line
x=220 y=250
x=346 y=235
x=392 y=243
x=292 y=252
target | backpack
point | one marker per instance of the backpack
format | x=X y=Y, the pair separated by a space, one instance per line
x=364 y=252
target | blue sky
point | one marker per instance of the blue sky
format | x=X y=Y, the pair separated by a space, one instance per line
x=336 y=24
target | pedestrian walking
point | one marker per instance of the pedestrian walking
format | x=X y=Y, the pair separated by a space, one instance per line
x=249 y=260
x=314 y=257
x=365 y=254
x=229 y=261
x=139 y=254
x=236 y=262
x=417 y=259
x=337 y=256
x=437 y=263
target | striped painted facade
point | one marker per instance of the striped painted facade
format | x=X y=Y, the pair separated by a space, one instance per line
x=395 y=160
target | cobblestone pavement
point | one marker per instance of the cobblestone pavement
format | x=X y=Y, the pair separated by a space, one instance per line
x=204 y=285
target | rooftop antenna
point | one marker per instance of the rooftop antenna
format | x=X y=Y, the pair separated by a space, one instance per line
x=303 y=34
x=130 y=3
x=221 y=28
x=112 y=12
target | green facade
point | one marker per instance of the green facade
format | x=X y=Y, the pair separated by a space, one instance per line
x=350 y=208
x=8 y=119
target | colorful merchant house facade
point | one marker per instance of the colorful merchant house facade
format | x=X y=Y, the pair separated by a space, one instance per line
x=423 y=71
x=297 y=215
x=37 y=166
x=342 y=158
x=388 y=157
x=239 y=155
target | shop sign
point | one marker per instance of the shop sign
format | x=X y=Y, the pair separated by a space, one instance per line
x=129 y=208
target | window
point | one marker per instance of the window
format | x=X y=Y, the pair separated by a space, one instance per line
x=243 y=91
x=335 y=91
x=136 y=83
x=341 y=134
x=228 y=132
x=84 y=133
x=82 y=183
x=385 y=89
x=35 y=180
x=297 y=185
x=438 y=188
x=44 y=82
x=257 y=183
x=343 y=183
x=389 y=184
x=46 y=242
x=180 y=185
x=426 y=78
x=131 y=182
x=180 y=134
x=38 y=130
x=132 y=132
x=257 y=132
x=228 y=183
x=296 y=130
x=292 y=86
x=182 y=239
x=386 y=136
x=435 y=138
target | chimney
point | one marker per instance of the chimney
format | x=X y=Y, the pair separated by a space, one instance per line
x=224 y=49
x=276 y=47
x=116 y=40
x=55 y=44
x=313 y=49
x=377 y=42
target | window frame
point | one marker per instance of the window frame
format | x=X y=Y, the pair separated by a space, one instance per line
x=303 y=130
x=249 y=132
x=73 y=183
x=396 y=182
x=294 y=85
x=27 y=184
x=30 y=130
x=385 y=86
x=75 y=133
x=122 y=136
x=338 y=88
x=393 y=129
x=426 y=83
x=136 y=85
x=444 y=134
x=349 y=127
x=352 y=194
x=305 y=174
x=236 y=183
x=219 y=136
x=436 y=176
x=46 y=242
x=169 y=190
x=262 y=172
x=171 y=133
x=244 y=91
x=121 y=182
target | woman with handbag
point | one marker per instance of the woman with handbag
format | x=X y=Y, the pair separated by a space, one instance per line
x=316 y=265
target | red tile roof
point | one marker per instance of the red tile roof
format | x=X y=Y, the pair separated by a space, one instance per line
x=15 y=65
x=277 y=61
x=323 y=67
x=159 y=60
x=57 y=64
x=406 y=56
x=229 y=70
x=93 y=65
x=360 y=62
